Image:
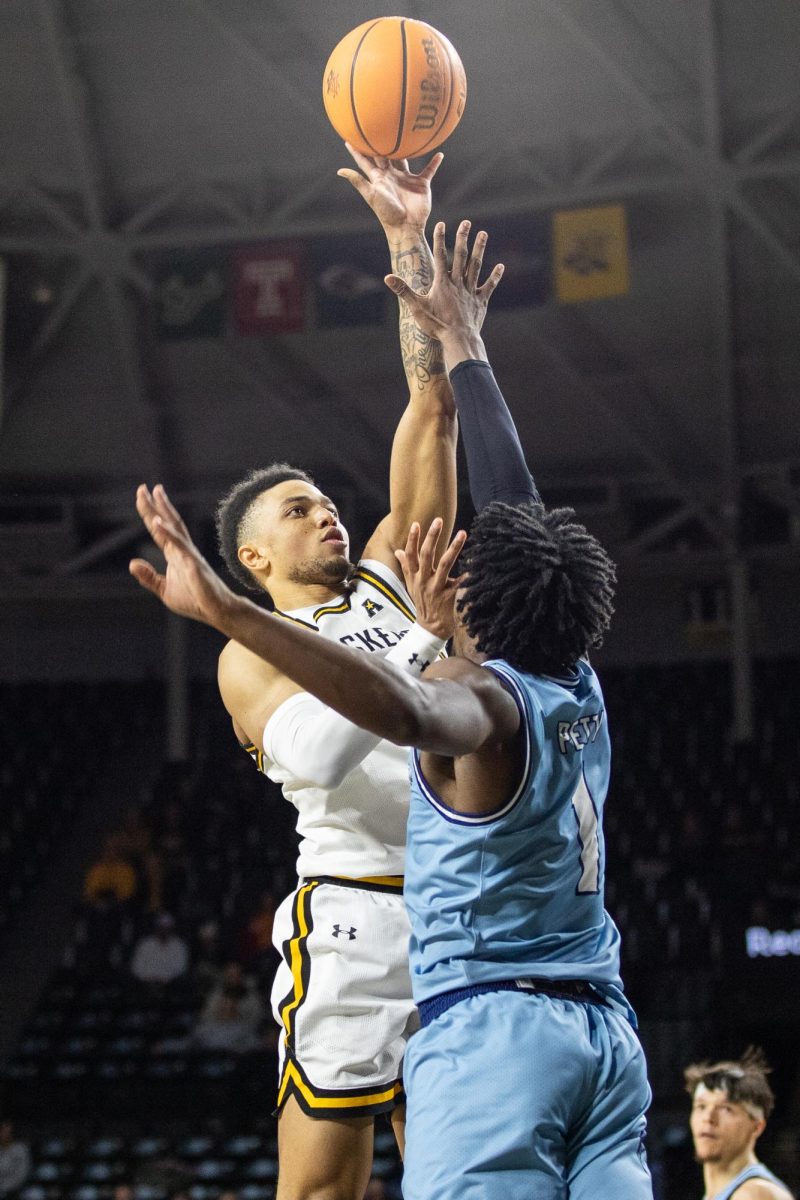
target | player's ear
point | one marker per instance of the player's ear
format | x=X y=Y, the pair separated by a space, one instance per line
x=254 y=558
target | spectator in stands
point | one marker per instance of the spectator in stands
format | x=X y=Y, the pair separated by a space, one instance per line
x=235 y=982
x=225 y=1027
x=207 y=956
x=135 y=842
x=162 y=956
x=110 y=874
x=170 y=846
x=15 y=1161
x=257 y=950
x=123 y=1191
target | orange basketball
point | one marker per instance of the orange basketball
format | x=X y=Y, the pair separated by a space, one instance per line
x=394 y=87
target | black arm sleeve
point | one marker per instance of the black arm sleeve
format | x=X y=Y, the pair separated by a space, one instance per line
x=495 y=460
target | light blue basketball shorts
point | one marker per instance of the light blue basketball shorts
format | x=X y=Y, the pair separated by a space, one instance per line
x=523 y=1096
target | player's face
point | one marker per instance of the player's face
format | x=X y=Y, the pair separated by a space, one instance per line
x=298 y=533
x=721 y=1129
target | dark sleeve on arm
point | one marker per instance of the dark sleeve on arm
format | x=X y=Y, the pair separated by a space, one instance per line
x=495 y=461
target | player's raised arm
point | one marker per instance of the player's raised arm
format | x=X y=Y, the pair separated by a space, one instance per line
x=422 y=478
x=453 y=311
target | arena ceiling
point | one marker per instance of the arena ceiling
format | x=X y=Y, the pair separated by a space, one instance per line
x=133 y=130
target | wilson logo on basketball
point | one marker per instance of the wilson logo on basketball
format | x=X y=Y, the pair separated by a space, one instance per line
x=332 y=84
x=430 y=88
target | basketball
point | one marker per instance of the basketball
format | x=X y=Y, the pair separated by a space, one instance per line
x=394 y=87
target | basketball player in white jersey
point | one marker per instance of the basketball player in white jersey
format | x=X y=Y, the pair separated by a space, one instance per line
x=342 y=993
x=731 y=1104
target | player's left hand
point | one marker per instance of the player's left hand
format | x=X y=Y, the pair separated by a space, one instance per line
x=430 y=584
x=189 y=586
x=395 y=194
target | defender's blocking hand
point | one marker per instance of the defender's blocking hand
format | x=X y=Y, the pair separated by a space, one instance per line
x=456 y=303
x=429 y=584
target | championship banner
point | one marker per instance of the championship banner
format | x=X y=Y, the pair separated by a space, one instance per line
x=190 y=295
x=348 y=280
x=269 y=288
x=591 y=253
x=522 y=244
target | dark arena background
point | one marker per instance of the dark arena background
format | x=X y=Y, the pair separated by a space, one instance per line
x=189 y=291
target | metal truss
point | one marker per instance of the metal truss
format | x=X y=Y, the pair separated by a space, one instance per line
x=654 y=157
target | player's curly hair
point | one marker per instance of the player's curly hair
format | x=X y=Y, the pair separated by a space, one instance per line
x=744 y=1079
x=539 y=587
x=235 y=509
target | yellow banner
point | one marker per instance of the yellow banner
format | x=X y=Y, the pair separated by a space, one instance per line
x=591 y=253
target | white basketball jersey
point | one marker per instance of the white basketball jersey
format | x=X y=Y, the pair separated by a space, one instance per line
x=359 y=828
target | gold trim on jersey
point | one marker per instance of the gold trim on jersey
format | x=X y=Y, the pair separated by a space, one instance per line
x=357 y=1102
x=327 y=609
x=298 y=958
x=386 y=590
x=256 y=755
x=297 y=620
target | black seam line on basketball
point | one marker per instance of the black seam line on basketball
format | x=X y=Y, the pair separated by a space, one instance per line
x=452 y=75
x=352 y=85
x=403 y=86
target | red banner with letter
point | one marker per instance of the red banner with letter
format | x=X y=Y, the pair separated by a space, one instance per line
x=269 y=288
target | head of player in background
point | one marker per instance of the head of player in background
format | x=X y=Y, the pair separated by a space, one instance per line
x=275 y=526
x=731 y=1104
x=538 y=590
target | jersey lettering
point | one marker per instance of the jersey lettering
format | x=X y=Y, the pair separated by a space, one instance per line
x=373 y=639
x=577 y=734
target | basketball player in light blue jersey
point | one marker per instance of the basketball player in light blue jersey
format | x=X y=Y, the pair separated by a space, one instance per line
x=731 y=1104
x=527 y=1078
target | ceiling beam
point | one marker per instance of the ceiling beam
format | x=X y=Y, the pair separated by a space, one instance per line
x=112 y=254
x=710 y=171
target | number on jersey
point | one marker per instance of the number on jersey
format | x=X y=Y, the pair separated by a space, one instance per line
x=586 y=816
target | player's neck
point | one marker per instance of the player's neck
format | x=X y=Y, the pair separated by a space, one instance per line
x=288 y=596
x=717 y=1176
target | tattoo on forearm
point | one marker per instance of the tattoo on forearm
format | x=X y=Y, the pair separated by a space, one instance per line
x=422 y=354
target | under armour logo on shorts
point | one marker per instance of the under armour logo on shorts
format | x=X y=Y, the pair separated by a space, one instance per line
x=350 y=933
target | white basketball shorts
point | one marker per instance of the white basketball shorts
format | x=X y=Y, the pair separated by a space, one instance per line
x=342 y=995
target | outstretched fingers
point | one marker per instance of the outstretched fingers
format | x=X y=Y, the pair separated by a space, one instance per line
x=429 y=170
x=448 y=559
x=492 y=280
x=427 y=551
x=476 y=260
x=409 y=556
x=460 y=252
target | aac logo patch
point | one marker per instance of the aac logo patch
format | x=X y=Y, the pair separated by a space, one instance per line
x=372 y=607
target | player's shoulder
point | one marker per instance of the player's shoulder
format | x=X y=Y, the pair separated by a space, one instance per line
x=761 y=1189
x=239 y=671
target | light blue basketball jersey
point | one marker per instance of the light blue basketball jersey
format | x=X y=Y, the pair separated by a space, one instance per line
x=519 y=892
x=756 y=1171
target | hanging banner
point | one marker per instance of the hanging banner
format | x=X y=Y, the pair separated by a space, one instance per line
x=190 y=295
x=591 y=253
x=348 y=280
x=522 y=245
x=269 y=288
